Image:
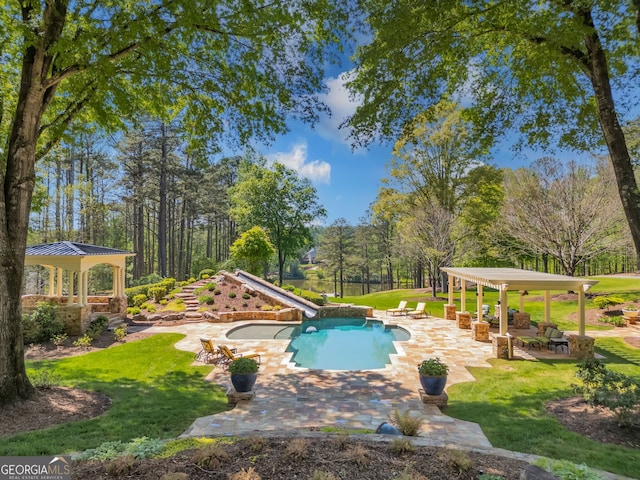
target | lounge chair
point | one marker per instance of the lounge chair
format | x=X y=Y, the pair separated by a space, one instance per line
x=229 y=355
x=401 y=310
x=207 y=353
x=419 y=311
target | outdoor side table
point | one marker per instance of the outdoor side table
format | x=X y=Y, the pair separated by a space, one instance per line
x=558 y=342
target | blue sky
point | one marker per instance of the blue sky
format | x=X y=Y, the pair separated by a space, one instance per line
x=347 y=181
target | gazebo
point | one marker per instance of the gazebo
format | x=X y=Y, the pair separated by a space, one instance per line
x=512 y=279
x=77 y=259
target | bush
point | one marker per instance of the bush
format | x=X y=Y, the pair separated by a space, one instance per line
x=44 y=379
x=211 y=286
x=232 y=294
x=565 y=470
x=119 y=333
x=208 y=299
x=408 y=425
x=209 y=272
x=605 y=302
x=58 y=340
x=246 y=296
x=97 y=326
x=163 y=302
x=243 y=365
x=49 y=324
x=133 y=310
x=217 y=291
x=608 y=389
x=139 y=299
x=158 y=293
x=151 y=308
x=30 y=329
x=266 y=308
x=83 y=342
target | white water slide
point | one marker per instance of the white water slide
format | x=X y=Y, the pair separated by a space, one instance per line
x=309 y=309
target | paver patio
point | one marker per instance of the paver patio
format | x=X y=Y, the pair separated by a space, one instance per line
x=289 y=398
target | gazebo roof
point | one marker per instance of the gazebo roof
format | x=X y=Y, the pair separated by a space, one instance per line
x=74 y=256
x=516 y=279
x=65 y=249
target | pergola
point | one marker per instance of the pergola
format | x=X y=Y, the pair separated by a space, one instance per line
x=513 y=279
x=77 y=259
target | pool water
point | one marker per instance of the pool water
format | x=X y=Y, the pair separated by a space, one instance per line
x=332 y=343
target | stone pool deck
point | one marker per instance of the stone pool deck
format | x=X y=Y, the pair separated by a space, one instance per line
x=298 y=400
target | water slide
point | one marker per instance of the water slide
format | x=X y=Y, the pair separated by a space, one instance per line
x=309 y=309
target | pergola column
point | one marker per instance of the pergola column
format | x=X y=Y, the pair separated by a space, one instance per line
x=504 y=309
x=581 y=327
x=451 y=280
x=479 y=303
x=463 y=295
x=547 y=306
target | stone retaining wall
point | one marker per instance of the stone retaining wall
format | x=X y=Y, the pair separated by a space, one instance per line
x=344 y=310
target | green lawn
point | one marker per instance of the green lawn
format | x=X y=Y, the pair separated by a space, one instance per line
x=155 y=391
x=508 y=401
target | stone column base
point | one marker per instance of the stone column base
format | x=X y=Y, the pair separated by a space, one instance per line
x=463 y=319
x=502 y=347
x=480 y=331
x=581 y=347
x=440 y=401
x=449 y=312
x=521 y=321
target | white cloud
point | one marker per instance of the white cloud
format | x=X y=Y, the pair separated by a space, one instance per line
x=318 y=171
x=341 y=105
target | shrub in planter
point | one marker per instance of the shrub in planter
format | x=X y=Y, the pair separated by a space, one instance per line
x=433 y=375
x=244 y=372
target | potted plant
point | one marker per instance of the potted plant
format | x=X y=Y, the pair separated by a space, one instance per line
x=433 y=375
x=244 y=372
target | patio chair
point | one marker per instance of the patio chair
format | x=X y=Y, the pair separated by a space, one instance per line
x=552 y=337
x=229 y=355
x=207 y=353
x=400 y=310
x=419 y=311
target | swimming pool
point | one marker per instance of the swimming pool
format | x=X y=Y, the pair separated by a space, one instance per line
x=331 y=343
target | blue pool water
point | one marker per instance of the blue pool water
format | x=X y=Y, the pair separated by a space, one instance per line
x=332 y=343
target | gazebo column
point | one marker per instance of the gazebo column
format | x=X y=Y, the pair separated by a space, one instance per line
x=71 y=281
x=80 y=289
x=115 y=282
x=59 y=282
x=85 y=288
x=52 y=280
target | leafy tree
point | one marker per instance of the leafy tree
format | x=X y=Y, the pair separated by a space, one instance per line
x=336 y=246
x=440 y=184
x=550 y=70
x=227 y=69
x=279 y=201
x=253 y=248
x=562 y=211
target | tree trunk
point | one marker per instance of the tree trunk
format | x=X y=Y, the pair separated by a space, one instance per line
x=614 y=137
x=162 y=208
x=18 y=181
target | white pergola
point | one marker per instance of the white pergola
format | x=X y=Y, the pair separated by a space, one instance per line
x=513 y=279
x=77 y=259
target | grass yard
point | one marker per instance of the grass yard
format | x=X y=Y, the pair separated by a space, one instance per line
x=155 y=392
x=508 y=401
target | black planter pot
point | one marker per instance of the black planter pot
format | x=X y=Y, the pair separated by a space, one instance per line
x=433 y=385
x=243 y=382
